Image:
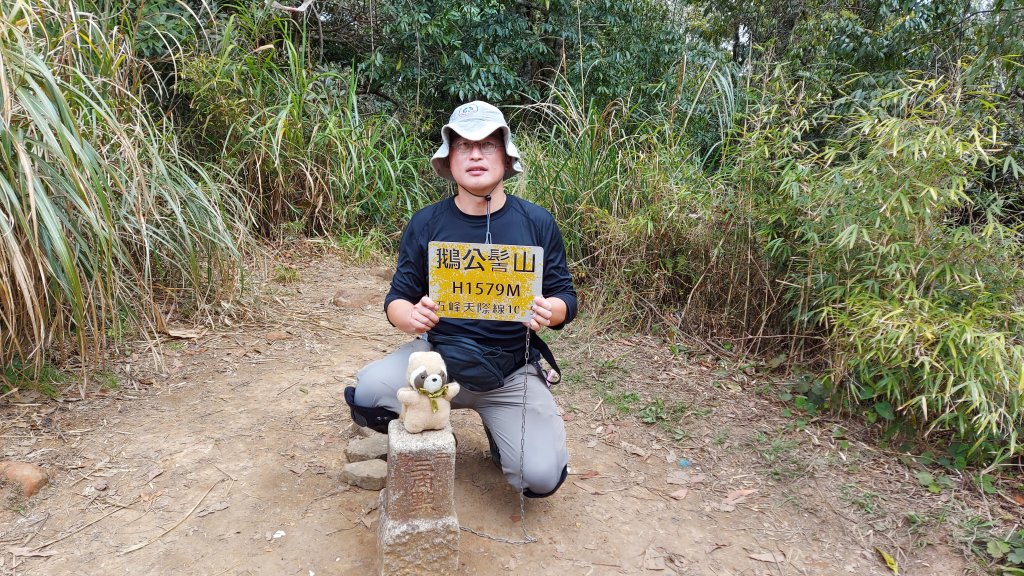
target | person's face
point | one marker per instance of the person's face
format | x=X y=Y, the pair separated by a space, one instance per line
x=478 y=165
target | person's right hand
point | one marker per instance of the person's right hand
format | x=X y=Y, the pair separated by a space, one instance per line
x=422 y=317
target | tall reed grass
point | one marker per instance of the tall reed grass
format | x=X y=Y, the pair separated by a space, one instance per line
x=101 y=214
x=640 y=212
x=290 y=131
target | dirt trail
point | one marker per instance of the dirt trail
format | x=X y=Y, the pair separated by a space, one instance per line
x=229 y=464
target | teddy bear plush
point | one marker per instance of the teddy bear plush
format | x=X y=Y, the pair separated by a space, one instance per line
x=426 y=401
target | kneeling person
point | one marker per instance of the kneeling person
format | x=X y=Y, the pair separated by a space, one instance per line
x=477 y=154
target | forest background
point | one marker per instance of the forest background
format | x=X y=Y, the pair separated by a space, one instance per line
x=834 y=185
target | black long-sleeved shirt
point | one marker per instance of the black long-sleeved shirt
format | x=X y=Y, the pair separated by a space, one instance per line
x=519 y=223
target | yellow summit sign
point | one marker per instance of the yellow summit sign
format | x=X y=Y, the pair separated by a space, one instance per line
x=485 y=281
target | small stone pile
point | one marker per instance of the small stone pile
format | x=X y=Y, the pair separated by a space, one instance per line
x=367 y=465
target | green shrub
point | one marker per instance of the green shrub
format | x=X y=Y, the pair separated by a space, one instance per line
x=433 y=55
x=867 y=218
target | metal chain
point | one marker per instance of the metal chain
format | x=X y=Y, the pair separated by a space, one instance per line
x=527 y=538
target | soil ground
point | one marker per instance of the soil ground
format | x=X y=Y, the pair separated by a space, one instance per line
x=227 y=461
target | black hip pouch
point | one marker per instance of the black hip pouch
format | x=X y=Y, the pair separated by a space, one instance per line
x=476 y=367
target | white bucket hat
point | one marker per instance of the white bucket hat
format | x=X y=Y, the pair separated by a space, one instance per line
x=475 y=121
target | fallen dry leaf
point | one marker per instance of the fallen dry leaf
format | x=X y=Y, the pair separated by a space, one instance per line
x=153 y=474
x=680 y=494
x=185 y=333
x=773 y=557
x=148 y=496
x=653 y=559
x=634 y=450
x=675 y=561
x=1019 y=499
x=736 y=496
x=213 y=508
x=717 y=546
x=296 y=468
x=587 y=488
x=889 y=561
x=28 y=552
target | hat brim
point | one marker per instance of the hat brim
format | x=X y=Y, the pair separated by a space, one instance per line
x=439 y=161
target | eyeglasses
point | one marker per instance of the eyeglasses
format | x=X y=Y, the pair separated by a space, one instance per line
x=465 y=147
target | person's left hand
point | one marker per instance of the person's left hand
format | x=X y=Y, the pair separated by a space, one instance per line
x=541 y=314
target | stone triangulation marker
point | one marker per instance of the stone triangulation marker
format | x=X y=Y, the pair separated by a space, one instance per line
x=418 y=534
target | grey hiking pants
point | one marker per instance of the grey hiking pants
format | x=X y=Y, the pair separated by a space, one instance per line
x=544 y=453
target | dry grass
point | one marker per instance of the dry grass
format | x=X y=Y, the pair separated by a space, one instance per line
x=103 y=217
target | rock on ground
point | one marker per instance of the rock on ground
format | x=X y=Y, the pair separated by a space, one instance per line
x=368 y=448
x=29 y=477
x=368 y=474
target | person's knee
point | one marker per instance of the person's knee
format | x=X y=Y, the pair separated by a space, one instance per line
x=367 y=390
x=378 y=381
x=375 y=389
x=542 y=486
x=543 y=474
x=372 y=401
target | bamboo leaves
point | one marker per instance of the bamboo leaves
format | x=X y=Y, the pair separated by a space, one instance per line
x=918 y=300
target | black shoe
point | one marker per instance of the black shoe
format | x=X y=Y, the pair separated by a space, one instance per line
x=495 y=456
x=373 y=418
